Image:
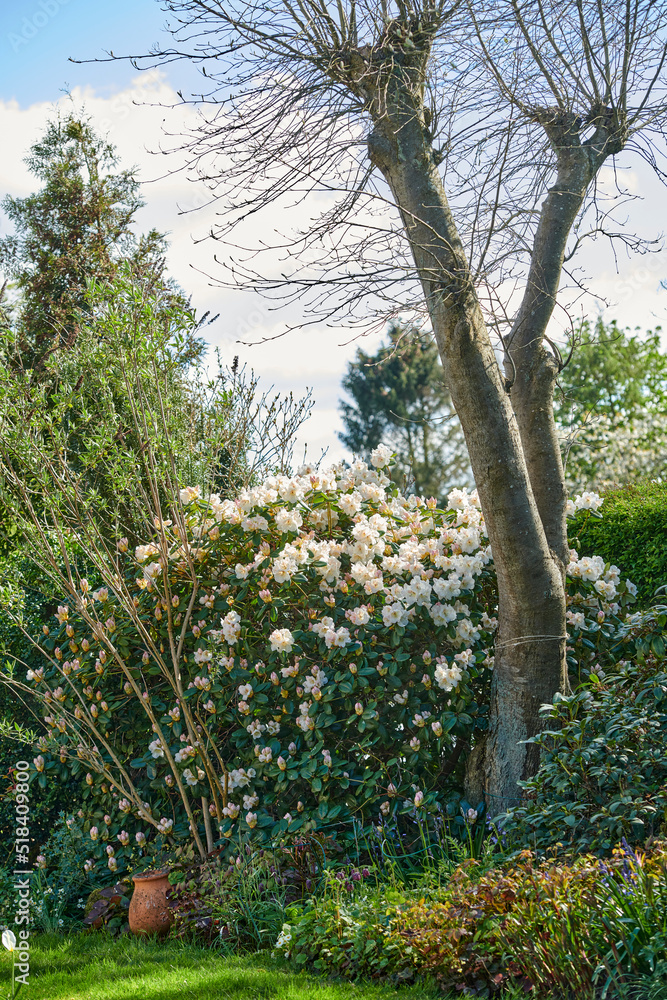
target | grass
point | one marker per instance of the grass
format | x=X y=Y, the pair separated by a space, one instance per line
x=98 y=967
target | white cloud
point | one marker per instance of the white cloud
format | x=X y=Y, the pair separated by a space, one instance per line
x=136 y=120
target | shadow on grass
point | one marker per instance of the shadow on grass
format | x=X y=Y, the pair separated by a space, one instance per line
x=96 y=967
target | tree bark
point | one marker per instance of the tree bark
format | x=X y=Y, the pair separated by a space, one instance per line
x=530 y=648
x=532 y=369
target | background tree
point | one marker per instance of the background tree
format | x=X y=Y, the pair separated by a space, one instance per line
x=454 y=150
x=79 y=225
x=399 y=398
x=612 y=407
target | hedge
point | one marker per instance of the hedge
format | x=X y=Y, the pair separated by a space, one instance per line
x=632 y=534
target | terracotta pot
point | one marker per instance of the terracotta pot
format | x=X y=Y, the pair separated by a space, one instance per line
x=149 y=911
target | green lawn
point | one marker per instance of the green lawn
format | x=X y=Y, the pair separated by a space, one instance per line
x=97 y=967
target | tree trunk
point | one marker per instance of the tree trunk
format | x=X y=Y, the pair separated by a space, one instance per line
x=530 y=648
x=532 y=369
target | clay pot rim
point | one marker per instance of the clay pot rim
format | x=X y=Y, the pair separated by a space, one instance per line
x=150 y=876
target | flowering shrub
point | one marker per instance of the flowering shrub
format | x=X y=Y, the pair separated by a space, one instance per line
x=305 y=657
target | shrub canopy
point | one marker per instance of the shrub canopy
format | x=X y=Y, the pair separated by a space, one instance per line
x=313 y=655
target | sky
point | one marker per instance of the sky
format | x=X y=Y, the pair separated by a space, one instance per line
x=37 y=40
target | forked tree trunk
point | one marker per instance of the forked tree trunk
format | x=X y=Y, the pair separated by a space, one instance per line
x=530 y=649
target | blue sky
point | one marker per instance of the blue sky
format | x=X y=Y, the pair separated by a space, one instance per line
x=39 y=36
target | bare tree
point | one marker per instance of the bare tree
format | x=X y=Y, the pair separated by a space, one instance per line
x=457 y=148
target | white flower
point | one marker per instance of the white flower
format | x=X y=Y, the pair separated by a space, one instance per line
x=189 y=494
x=231 y=627
x=191 y=778
x=283 y=569
x=447 y=677
x=151 y=573
x=442 y=614
x=251 y=819
x=250 y=801
x=288 y=520
x=606 y=589
x=256 y=523
x=203 y=655
x=265 y=756
x=350 y=503
x=575 y=618
x=322 y=627
x=156 y=749
x=588 y=501
x=458 y=500
x=245 y=691
x=437 y=728
x=273 y=727
x=631 y=588
x=256 y=729
x=142 y=552
x=401 y=699
x=415 y=744
x=284 y=938
x=466 y=631
x=281 y=640
x=9 y=940
x=591 y=567
x=358 y=616
x=337 y=638
x=380 y=456
x=165 y=825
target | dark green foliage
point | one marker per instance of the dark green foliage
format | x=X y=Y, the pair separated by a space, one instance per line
x=60 y=883
x=603 y=774
x=399 y=399
x=24 y=712
x=347 y=938
x=632 y=533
